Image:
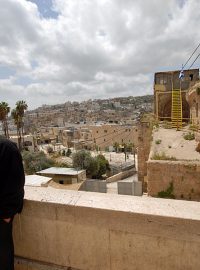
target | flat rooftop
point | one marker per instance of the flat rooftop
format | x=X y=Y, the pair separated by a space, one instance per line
x=37 y=180
x=61 y=171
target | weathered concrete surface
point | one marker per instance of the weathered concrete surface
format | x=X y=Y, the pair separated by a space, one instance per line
x=184 y=175
x=94 y=186
x=92 y=231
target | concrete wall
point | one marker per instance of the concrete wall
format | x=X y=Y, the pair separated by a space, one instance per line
x=144 y=144
x=94 y=186
x=120 y=176
x=130 y=188
x=184 y=175
x=92 y=231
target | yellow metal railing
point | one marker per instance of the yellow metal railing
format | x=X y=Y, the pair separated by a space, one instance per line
x=176 y=112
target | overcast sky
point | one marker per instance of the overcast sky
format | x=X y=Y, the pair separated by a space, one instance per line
x=52 y=51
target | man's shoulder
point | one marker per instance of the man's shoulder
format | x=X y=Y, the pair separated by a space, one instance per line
x=8 y=144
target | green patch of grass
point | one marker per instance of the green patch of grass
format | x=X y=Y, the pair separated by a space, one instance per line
x=162 y=156
x=189 y=136
x=158 y=141
x=194 y=127
x=168 y=193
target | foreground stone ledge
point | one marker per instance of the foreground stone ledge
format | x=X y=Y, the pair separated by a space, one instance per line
x=94 y=231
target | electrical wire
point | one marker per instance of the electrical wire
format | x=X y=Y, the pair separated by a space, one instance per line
x=108 y=134
x=114 y=137
x=191 y=57
x=194 y=60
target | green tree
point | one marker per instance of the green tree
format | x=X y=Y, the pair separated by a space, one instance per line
x=116 y=146
x=36 y=161
x=103 y=166
x=21 y=107
x=17 y=122
x=18 y=116
x=4 y=111
x=95 y=166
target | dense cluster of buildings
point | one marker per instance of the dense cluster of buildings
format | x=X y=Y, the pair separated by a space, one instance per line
x=118 y=110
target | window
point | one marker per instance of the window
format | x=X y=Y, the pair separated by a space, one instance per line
x=105 y=131
x=197 y=109
x=122 y=140
x=104 y=140
x=61 y=182
x=191 y=77
x=97 y=131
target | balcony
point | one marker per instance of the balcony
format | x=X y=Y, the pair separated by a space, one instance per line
x=61 y=229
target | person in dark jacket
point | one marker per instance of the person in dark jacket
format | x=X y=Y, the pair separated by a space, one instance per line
x=12 y=181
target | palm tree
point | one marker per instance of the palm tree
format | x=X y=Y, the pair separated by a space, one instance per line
x=21 y=107
x=17 y=121
x=4 y=111
x=116 y=146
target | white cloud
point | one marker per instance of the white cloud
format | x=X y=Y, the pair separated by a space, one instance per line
x=93 y=49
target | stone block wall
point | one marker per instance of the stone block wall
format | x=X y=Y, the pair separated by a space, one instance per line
x=144 y=144
x=184 y=175
x=62 y=229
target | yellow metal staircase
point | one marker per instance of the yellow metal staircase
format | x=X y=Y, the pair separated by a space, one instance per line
x=176 y=113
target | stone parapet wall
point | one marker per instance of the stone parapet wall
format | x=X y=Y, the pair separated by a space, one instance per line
x=91 y=231
x=184 y=175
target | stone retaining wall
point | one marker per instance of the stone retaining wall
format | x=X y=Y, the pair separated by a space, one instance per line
x=184 y=175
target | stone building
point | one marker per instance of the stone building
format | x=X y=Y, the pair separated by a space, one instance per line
x=105 y=135
x=193 y=98
x=64 y=175
x=164 y=82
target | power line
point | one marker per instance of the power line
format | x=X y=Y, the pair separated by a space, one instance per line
x=114 y=137
x=191 y=57
x=115 y=131
x=194 y=60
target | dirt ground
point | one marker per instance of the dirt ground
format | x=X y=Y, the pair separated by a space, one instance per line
x=173 y=144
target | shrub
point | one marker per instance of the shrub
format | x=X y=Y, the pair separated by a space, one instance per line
x=49 y=150
x=162 y=156
x=158 y=141
x=62 y=165
x=36 y=161
x=95 y=166
x=198 y=90
x=69 y=152
x=168 y=193
x=189 y=136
